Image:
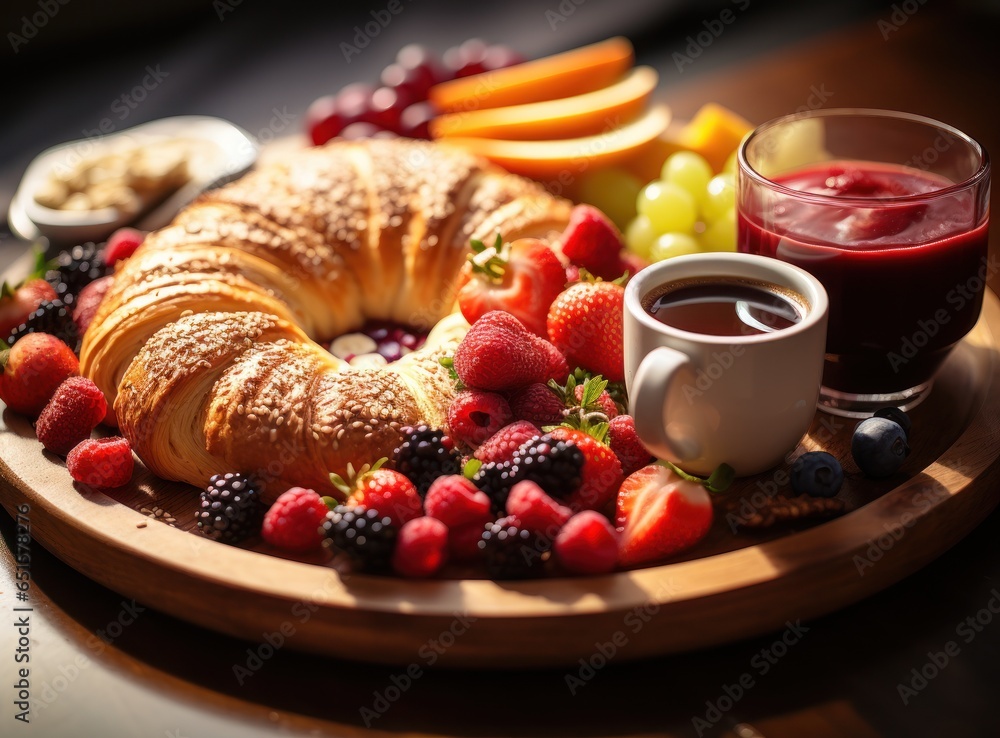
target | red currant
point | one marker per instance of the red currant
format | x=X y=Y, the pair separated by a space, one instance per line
x=323 y=121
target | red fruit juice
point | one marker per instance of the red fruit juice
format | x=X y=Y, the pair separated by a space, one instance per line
x=905 y=275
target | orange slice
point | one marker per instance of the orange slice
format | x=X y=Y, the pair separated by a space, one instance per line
x=565 y=159
x=574 y=72
x=568 y=117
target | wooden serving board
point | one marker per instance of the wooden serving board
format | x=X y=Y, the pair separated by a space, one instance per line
x=732 y=585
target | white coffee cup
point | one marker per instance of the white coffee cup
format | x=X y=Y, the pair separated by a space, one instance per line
x=702 y=400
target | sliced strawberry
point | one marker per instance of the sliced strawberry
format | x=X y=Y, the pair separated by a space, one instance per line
x=593 y=242
x=660 y=514
x=522 y=278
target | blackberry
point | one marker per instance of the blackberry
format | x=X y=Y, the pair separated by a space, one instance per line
x=76 y=268
x=495 y=478
x=511 y=552
x=51 y=316
x=365 y=535
x=424 y=455
x=231 y=509
x=555 y=466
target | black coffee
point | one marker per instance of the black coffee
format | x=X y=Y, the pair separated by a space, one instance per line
x=723 y=306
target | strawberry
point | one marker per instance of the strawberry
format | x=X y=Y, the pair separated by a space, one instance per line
x=17 y=305
x=603 y=402
x=502 y=444
x=587 y=544
x=586 y=323
x=537 y=512
x=456 y=501
x=593 y=242
x=421 y=547
x=521 y=278
x=498 y=353
x=557 y=367
x=88 y=301
x=538 y=404
x=295 y=521
x=602 y=472
x=659 y=514
x=122 y=244
x=386 y=490
x=20 y=301
x=75 y=409
x=475 y=415
x=33 y=368
x=101 y=462
x=624 y=441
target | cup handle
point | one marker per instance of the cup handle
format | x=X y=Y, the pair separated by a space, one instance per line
x=661 y=367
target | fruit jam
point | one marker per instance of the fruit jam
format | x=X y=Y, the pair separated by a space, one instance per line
x=905 y=277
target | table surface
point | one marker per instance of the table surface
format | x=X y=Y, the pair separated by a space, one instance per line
x=100 y=665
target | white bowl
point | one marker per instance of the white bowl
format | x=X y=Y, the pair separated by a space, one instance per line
x=235 y=153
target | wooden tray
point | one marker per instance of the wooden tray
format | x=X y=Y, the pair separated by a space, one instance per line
x=732 y=585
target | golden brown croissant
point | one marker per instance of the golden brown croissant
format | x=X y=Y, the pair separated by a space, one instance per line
x=206 y=341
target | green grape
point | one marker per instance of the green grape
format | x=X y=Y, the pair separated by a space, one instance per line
x=721 y=235
x=612 y=191
x=720 y=197
x=640 y=235
x=690 y=171
x=669 y=207
x=673 y=244
x=730 y=165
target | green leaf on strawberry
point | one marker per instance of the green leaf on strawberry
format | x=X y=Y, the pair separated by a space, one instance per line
x=489 y=261
x=448 y=362
x=718 y=481
x=354 y=478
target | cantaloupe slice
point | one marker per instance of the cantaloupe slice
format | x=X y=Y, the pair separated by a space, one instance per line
x=556 y=160
x=567 y=117
x=574 y=72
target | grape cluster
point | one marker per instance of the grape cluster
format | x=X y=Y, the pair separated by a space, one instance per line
x=688 y=210
x=398 y=105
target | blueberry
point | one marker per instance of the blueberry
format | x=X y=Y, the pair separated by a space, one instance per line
x=896 y=415
x=879 y=446
x=817 y=474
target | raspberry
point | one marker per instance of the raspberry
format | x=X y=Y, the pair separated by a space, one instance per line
x=502 y=444
x=463 y=541
x=73 y=412
x=122 y=244
x=626 y=444
x=556 y=466
x=557 y=367
x=87 y=302
x=424 y=455
x=454 y=500
x=101 y=462
x=421 y=547
x=367 y=537
x=389 y=492
x=295 y=521
x=538 y=512
x=475 y=415
x=511 y=551
x=499 y=353
x=538 y=404
x=587 y=544
x=230 y=508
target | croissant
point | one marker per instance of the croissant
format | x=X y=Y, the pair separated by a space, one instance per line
x=207 y=344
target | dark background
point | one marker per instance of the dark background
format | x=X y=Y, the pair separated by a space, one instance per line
x=244 y=61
